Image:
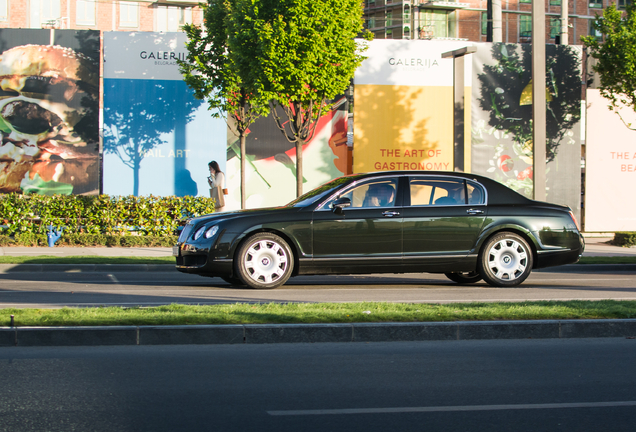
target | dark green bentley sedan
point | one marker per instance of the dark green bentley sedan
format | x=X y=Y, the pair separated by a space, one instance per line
x=466 y=226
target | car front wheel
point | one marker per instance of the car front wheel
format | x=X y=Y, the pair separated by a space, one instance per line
x=506 y=260
x=264 y=261
x=464 y=277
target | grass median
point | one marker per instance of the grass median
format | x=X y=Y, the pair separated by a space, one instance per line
x=311 y=313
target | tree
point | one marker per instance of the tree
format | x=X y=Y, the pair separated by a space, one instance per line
x=209 y=69
x=298 y=53
x=616 y=57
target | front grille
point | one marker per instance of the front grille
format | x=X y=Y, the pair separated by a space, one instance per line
x=192 y=260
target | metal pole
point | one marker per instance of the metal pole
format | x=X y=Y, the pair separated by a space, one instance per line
x=538 y=99
x=564 y=22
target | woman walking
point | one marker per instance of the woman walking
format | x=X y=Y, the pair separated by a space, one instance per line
x=217 y=185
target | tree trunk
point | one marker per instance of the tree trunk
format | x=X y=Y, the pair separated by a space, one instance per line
x=299 y=166
x=243 y=157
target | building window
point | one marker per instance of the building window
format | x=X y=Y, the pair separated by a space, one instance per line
x=555 y=27
x=407 y=14
x=525 y=1
x=4 y=10
x=85 y=12
x=44 y=13
x=525 y=26
x=622 y=4
x=596 y=3
x=128 y=14
x=389 y=18
x=371 y=22
x=388 y=34
x=555 y=2
x=172 y=18
x=593 y=32
x=484 y=23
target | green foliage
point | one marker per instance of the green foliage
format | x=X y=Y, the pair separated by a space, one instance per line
x=627 y=239
x=616 y=56
x=27 y=217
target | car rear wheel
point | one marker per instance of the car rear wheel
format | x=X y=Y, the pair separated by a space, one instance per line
x=264 y=261
x=506 y=260
x=232 y=280
x=464 y=277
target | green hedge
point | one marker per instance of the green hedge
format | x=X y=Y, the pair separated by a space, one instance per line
x=99 y=215
x=626 y=239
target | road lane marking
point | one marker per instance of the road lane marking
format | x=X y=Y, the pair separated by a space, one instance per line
x=451 y=408
x=113 y=278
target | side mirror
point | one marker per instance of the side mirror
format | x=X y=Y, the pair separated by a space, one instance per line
x=340 y=204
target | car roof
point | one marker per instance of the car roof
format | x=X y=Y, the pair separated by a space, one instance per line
x=498 y=193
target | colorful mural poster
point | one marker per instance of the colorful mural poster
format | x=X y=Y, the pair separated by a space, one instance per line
x=502 y=119
x=158 y=139
x=610 y=166
x=49 y=118
x=271 y=159
x=404 y=106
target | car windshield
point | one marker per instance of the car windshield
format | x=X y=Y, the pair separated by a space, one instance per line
x=320 y=192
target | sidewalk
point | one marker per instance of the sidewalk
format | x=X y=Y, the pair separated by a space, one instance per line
x=594 y=246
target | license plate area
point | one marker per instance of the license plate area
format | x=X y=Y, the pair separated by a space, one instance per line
x=176 y=251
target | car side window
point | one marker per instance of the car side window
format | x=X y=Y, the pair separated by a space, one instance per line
x=378 y=193
x=475 y=194
x=426 y=192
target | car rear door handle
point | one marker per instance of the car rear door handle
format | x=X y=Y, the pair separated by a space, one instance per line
x=390 y=213
x=474 y=211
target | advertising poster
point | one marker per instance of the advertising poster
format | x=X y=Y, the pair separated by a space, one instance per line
x=502 y=119
x=158 y=139
x=610 y=166
x=271 y=159
x=49 y=111
x=403 y=106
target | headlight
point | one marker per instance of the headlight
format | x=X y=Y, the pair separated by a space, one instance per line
x=209 y=232
x=199 y=233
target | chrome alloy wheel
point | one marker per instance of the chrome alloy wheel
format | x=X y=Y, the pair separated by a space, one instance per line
x=266 y=261
x=507 y=259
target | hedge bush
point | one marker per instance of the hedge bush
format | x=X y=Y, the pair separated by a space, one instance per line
x=626 y=239
x=22 y=216
x=30 y=239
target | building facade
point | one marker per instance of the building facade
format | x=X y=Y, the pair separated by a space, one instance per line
x=104 y=15
x=468 y=20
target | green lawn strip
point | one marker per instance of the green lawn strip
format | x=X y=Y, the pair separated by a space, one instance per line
x=86 y=259
x=288 y=313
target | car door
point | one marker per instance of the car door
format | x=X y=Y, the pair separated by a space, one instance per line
x=368 y=233
x=442 y=219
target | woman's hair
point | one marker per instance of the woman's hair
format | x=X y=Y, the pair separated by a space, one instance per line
x=215 y=166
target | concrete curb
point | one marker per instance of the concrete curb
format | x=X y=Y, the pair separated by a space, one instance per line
x=313 y=333
x=109 y=268
x=84 y=268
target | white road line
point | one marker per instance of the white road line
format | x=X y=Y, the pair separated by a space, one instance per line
x=113 y=278
x=451 y=408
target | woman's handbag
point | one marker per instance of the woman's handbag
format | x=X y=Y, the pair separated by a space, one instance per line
x=217 y=193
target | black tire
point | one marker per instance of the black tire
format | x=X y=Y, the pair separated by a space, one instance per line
x=464 y=277
x=505 y=260
x=232 y=280
x=264 y=261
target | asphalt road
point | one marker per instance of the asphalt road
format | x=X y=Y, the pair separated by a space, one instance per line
x=57 y=289
x=520 y=385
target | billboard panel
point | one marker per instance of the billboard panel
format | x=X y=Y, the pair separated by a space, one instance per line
x=158 y=139
x=610 y=166
x=49 y=116
x=404 y=106
x=502 y=119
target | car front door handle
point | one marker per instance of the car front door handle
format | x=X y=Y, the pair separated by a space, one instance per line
x=390 y=213
x=474 y=212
